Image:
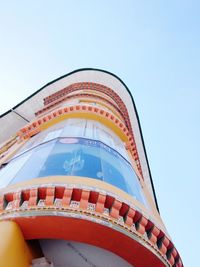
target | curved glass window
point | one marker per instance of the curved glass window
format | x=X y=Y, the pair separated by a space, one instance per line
x=74 y=156
x=79 y=128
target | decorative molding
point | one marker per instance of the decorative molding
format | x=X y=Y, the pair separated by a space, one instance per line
x=107 y=91
x=82 y=111
x=5 y=147
x=96 y=205
x=77 y=96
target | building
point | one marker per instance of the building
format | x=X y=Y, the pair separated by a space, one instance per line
x=76 y=188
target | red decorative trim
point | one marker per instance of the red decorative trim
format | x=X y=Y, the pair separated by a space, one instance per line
x=30 y=129
x=100 y=203
x=94 y=87
x=92 y=203
x=76 y=96
x=33 y=128
x=50 y=193
x=32 y=200
x=88 y=232
x=107 y=91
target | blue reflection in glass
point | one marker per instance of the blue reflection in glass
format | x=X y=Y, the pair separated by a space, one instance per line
x=80 y=157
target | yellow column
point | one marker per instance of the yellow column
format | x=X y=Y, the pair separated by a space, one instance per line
x=14 y=251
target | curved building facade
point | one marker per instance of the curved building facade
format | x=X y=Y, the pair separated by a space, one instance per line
x=75 y=184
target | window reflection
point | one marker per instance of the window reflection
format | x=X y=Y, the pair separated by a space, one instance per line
x=89 y=129
x=78 y=157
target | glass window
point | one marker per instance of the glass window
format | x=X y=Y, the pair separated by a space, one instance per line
x=52 y=135
x=76 y=127
x=35 y=163
x=10 y=170
x=74 y=157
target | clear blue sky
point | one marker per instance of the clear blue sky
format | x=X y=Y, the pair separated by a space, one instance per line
x=154 y=47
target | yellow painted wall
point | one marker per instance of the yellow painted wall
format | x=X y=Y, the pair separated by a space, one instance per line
x=87 y=115
x=14 y=251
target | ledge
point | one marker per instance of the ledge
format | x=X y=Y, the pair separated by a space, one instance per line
x=62 y=200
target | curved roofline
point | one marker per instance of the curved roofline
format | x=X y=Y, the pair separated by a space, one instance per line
x=110 y=73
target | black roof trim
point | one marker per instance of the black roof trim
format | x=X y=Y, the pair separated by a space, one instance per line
x=110 y=73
